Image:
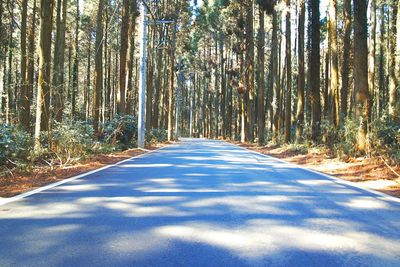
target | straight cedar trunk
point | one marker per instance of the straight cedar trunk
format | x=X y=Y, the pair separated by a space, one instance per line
x=31 y=56
x=1 y=60
x=250 y=70
x=43 y=92
x=75 y=70
x=58 y=63
x=171 y=85
x=346 y=58
x=261 y=82
x=381 y=79
x=334 y=63
x=396 y=117
x=372 y=52
x=86 y=106
x=122 y=54
x=223 y=86
x=301 y=77
x=315 y=71
x=98 y=68
x=288 y=96
x=275 y=76
x=361 y=71
x=130 y=58
x=24 y=112
x=393 y=77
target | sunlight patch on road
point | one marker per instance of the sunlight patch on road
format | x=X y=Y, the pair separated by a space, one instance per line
x=259 y=238
x=366 y=203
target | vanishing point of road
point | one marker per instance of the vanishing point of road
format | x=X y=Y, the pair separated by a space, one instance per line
x=202 y=203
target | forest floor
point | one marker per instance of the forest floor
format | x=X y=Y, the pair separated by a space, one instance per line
x=369 y=172
x=19 y=182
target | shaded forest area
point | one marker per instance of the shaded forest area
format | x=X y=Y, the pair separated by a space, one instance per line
x=302 y=72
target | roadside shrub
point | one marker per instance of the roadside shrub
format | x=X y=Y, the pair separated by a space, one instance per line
x=70 y=140
x=156 y=136
x=15 y=144
x=345 y=144
x=121 y=130
x=384 y=138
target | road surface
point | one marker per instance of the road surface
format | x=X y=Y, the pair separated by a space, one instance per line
x=201 y=203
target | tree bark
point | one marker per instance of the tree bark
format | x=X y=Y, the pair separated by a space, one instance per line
x=98 y=69
x=301 y=77
x=261 y=80
x=315 y=71
x=24 y=114
x=43 y=93
x=335 y=64
x=361 y=71
x=288 y=104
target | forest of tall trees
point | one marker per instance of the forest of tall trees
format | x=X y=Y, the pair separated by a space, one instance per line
x=281 y=71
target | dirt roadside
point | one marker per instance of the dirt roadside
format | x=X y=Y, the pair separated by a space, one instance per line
x=19 y=182
x=369 y=172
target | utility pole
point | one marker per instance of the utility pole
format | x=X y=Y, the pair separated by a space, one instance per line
x=142 y=78
x=142 y=74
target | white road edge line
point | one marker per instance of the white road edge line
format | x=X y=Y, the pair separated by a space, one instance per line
x=8 y=200
x=338 y=180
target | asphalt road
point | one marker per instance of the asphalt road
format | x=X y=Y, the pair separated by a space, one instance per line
x=202 y=203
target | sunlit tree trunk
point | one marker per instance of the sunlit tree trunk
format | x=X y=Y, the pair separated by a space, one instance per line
x=301 y=77
x=43 y=92
x=250 y=69
x=372 y=49
x=261 y=81
x=24 y=111
x=75 y=68
x=361 y=71
x=393 y=76
x=288 y=105
x=335 y=63
x=275 y=76
x=58 y=64
x=98 y=68
x=315 y=71
x=31 y=56
x=346 y=57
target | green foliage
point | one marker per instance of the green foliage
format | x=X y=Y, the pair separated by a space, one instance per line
x=121 y=131
x=156 y=136
x=71 y=140
x=384 y=138
x=15 y=144
x=345 y=143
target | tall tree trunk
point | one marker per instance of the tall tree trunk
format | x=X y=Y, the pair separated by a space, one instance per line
x=43 y=93
x=346 y=57
x=172 y=84
x=393 y=82
x=58 y=65
x=98 y=68
x=288 y=106
x=361 y=71
x=250 y=69
x=301 y=77
x=381 y=86
x=123 y=53
x=261 y=80
x=315 y=71
x=372 y=49
x=335 y=63
x=130 y=58
x=75 y=70
x=275 y=76
x=30 y=79
x=24 y=114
